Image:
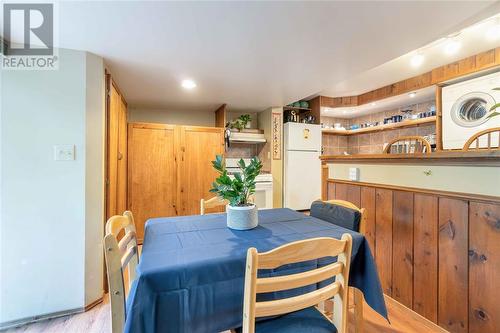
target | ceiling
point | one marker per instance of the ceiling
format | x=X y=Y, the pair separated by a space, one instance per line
x=252 y=55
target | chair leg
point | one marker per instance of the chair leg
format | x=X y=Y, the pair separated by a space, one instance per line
x=358 y=311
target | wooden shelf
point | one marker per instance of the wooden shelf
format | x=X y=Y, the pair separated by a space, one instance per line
x=296 y=109
x=402 y=124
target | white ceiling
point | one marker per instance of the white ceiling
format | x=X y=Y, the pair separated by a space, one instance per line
x=252 y=55
x=472 y=40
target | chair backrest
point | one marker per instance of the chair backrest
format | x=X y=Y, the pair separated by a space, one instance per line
x=291 y=253
x=408 y=145
x=350 y=205
x=120 y=254
x=211 y=203
x=492 y=140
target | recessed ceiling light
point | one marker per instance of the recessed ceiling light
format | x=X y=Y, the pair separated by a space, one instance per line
x=452 y=46
x=417 y=60
x=493 y=32
x=373 y=103
x=188 y=84
x=412 y=94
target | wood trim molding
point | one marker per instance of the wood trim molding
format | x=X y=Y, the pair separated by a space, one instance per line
x=456 y=195
x=437 y=76
x=473 y=158
x=220 y=116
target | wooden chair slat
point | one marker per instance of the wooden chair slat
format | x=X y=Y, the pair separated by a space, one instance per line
x=412 y=145
x=291 y=304
x=300 y=251
x=476 y=138
x=277 y=283
x=124 y=242
x=211 y=203
x=128 y=255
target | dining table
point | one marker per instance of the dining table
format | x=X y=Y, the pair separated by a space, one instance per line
x=190 y=276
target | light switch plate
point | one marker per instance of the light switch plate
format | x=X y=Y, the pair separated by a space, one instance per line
x=64 y=152
x=354 y=174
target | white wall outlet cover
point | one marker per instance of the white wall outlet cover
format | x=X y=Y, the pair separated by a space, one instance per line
x=64 y=152
x=354 y=174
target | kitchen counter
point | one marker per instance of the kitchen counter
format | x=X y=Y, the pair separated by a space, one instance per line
x=491 y=158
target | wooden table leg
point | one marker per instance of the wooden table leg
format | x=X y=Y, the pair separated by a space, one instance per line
x=358 y=311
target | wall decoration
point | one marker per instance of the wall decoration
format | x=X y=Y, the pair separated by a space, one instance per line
x=276 y=135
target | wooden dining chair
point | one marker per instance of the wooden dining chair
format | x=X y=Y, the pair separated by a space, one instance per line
x=408 y=145
x=120 y=254
x=491 y=136
x=358 y=295
x=211 y=203
x=300 y=311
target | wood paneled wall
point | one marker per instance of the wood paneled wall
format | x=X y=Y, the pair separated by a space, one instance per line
x=438 y=255
x=475 y=63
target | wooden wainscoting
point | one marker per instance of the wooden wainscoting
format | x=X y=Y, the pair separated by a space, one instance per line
x=437 y=253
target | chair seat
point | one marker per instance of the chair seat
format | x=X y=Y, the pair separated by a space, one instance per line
x=303 y=321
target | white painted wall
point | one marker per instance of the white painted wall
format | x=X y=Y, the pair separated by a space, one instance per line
x=172 y=116
x=454 y=178
x=51 y=211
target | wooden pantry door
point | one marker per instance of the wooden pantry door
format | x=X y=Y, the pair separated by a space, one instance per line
x=197 y=149
x=116 y=171
x=152 y=176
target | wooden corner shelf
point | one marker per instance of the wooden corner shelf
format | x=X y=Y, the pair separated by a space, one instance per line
x=402 y=124
x=296 y=109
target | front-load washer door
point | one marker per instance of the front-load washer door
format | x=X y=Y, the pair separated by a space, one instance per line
x=472 y=109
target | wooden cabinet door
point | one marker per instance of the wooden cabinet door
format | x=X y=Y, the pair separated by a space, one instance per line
x=152 y=172
x=116 y=173
x=197 y=149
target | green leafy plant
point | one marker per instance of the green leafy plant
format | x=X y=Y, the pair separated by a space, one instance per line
x=240 y=122
x=493 y=108
x=244 y=119
x=239 y=189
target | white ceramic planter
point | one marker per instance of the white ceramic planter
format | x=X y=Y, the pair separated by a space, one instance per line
x=242 y=218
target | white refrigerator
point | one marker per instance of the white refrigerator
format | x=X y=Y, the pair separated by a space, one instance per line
x=302 y=166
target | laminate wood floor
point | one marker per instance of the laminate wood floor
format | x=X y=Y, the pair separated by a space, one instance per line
x=98 y=320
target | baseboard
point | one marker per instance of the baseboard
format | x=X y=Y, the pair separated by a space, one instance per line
x=52 y=315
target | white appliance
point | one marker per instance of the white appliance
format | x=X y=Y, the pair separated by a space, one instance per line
x=465 y=108
x=302 y=166
x=263 y=197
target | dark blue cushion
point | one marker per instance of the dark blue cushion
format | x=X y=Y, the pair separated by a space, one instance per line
x=344 y=217
x=303 y=321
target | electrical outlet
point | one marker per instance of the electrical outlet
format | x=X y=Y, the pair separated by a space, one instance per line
x=354 y=174
x=64 y=152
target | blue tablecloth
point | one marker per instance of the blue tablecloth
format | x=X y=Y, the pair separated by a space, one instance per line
x=191 y=274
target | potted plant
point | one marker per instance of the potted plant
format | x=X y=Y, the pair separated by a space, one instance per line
x=245 y=120
x=241 y=213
